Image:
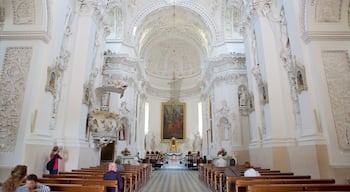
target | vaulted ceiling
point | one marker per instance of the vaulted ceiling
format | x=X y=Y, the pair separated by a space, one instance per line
x=173 y=41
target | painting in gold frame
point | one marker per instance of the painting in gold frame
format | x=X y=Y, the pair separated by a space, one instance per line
x=173 y=120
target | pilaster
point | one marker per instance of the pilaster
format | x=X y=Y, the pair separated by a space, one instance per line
x=71 y=129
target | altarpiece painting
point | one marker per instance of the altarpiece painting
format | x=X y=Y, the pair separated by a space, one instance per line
x=173 y=120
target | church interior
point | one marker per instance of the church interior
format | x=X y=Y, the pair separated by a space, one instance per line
x=265 y=81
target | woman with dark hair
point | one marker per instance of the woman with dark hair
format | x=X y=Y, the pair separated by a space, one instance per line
x=17 y=177
x=55 y=155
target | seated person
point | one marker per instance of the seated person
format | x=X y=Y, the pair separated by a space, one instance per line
x=17 y=177
x=251 y=173
x=120 y=167
x=220 y=162
x=113 y=175
x=33 y=184
x=135 y=161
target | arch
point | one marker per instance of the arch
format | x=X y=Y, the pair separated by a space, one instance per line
x=189 y=5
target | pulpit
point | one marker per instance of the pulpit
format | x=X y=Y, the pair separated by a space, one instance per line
x=173 y=145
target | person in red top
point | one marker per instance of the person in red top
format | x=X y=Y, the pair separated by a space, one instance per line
x=55 y=154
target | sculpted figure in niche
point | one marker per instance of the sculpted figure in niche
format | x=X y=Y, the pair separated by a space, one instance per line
x=242 y=96
x=123 y=108
x=121 y=133
x=105 y=102
x=224 y=127
x=124 y=123
x=52 y=81
x=92 y=124
x=108 y=125
x=153 y=142
x=224 y=109
x=197 y=142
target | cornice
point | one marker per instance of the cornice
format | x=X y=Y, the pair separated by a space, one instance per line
x=25 y=35
x=325 y=36
x=229 y=61
x=120 y=61
x=165 y=93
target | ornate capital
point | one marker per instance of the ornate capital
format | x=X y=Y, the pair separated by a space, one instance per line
x=253 y=9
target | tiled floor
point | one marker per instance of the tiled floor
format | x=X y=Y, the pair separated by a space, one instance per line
x=174 y=180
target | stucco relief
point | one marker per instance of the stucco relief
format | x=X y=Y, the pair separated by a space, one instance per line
x=23 y=12
x=227 y=77
x=337 y=70
x=328 y=10
x=12 y=87
x=243 y=100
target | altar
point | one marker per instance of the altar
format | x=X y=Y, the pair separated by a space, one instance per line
x=173 y=160
x=173 y=154
x=127 y=159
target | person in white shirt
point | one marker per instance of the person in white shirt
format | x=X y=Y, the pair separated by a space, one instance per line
x=251 y=173
x=220 y=162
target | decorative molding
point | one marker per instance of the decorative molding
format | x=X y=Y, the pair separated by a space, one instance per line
x=251 y=10
x=337 y=70
x=42 y=33
x=12 y=88
x=257 y=73
x=25 y=35
x=317 y=25
x=303 y=16
x=103 y=127
x=229 y=77
x=215 y=33
x=161 y=93
x=55 y=87
x=235 y=60
x=278 y=142
x=118 y=62
x=23 y=12
x=328 y=11
x=325 y=36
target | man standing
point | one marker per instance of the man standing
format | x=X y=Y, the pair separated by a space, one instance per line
x=113 y=175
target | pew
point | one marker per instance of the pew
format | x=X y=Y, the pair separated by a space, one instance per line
x=298 y=187
x=231 y=180
x=241 y=185
x=76 y=188
x=105 y=183
x=127 y=185
x=140 y=172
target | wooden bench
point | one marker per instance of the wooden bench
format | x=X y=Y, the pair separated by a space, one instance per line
x=298 y=187
x=106 y=183
x=231 y=180
x=133 y=175
x=242 y=185
x=76 y=188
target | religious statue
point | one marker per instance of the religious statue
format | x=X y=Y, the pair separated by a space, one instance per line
x=242 y=96
x=197 y=142
x=173 y=144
